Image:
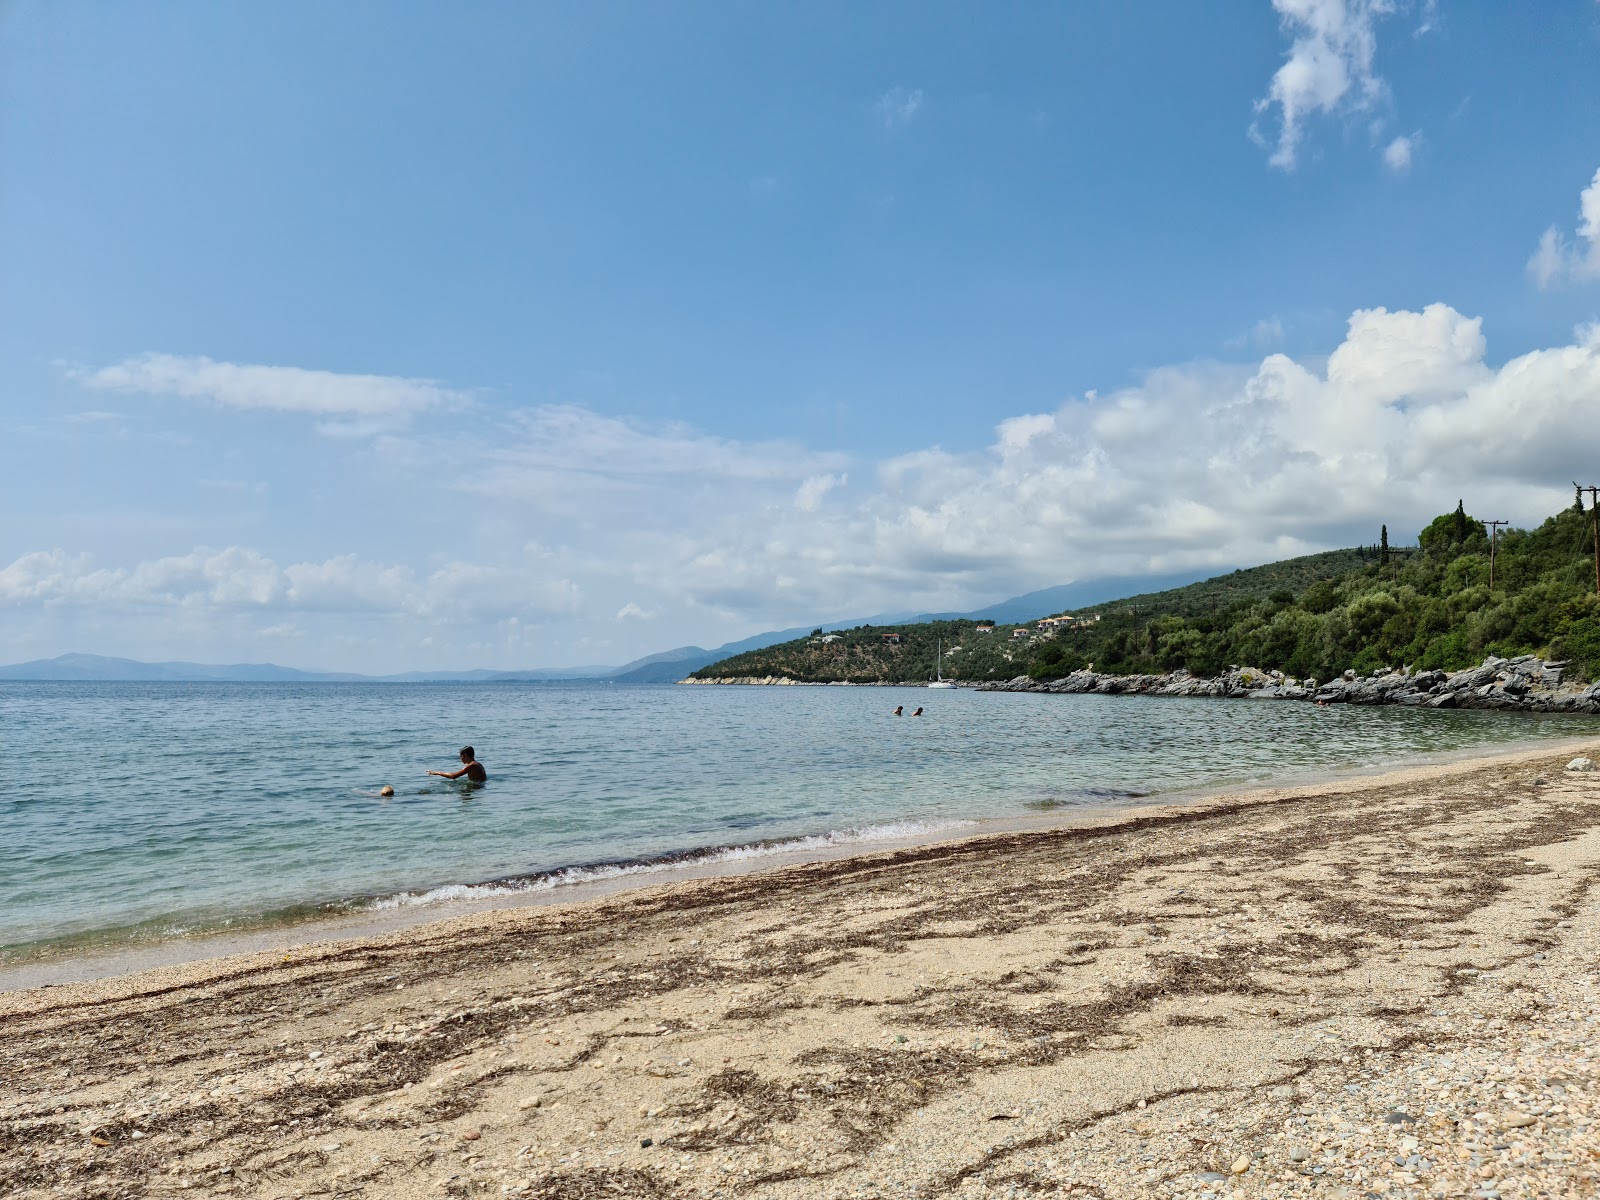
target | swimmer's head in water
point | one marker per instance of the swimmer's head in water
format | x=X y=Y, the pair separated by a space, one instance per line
x=386 y=790
x=467 y=754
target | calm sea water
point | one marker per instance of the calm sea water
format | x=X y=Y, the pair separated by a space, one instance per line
x=142 y=810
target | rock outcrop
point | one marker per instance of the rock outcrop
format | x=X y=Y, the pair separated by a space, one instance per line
x=1524 y=683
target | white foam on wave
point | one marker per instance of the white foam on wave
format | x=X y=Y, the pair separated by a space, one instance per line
x=570 y=876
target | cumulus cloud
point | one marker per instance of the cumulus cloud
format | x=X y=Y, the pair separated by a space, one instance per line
x=1397 y=154
x=351 y=404
x=899 y=106
x=1195 y=466
x=1329 y=68
x=1198 y=465
x=1557 y=259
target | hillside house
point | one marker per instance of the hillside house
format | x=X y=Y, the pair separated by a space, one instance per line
x=1021 y=631
x=985 y=628
x=891 y=639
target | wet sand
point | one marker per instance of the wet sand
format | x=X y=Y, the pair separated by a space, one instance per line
x=1381 y=985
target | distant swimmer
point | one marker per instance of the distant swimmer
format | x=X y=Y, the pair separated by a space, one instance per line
x=899 y=710
x=918 y=713
x=471 y=768
x=386 y=790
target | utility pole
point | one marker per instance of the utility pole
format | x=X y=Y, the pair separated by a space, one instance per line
x=1594 y=499
x=1494 y=536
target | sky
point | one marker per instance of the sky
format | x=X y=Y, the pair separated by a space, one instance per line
x=381 y=337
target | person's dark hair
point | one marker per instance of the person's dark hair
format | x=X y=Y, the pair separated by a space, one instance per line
x=467 y=752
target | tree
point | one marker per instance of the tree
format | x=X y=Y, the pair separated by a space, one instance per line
x=1383 y=550
x=1460 y=519
x=1577 y=505
x=817 y=632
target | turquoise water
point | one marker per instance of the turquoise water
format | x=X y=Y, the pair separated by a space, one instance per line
x=144 y=810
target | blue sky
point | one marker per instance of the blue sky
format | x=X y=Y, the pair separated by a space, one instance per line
x=390 y=336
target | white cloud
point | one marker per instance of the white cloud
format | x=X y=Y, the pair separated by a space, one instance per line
x=1198 y=465
x=1329 y=68
x=563 y=457
x=357 y=404
x=1397 y=154
x=241 y=579
x=899 y=106
x=808 y=497
x=617 y=529
x=1557 y=259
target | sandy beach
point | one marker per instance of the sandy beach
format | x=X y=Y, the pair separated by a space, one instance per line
x=1378 y=986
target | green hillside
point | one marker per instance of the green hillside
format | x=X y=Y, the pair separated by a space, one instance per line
x=862 y=655
x=1430 y=606
x=1249 y=583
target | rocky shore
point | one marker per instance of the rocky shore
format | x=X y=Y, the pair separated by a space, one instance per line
x=1524 y=683
x=785 y=681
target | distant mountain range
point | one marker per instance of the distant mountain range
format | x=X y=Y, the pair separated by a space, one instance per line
x=667 y=666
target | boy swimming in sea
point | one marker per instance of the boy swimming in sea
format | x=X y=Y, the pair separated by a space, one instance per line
x=471 y=768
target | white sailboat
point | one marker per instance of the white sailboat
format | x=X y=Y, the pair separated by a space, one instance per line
x=938 y=669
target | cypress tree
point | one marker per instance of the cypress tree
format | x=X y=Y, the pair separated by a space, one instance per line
x=1577 y=505
x=1460 y=521
x=1383 y=549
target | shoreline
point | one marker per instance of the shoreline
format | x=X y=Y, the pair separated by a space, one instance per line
x=57 y=964
x=1379 y=984
x=1521 y=684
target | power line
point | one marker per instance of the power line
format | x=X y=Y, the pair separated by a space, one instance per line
x=1594 y=514
x=1494 y=535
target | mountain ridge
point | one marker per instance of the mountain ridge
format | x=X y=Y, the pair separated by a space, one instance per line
x=662 y=667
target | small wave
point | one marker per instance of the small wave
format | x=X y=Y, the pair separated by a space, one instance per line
x=545 y=881
x=1082 y=796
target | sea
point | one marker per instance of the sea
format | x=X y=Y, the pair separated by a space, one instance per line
x=136 y=812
